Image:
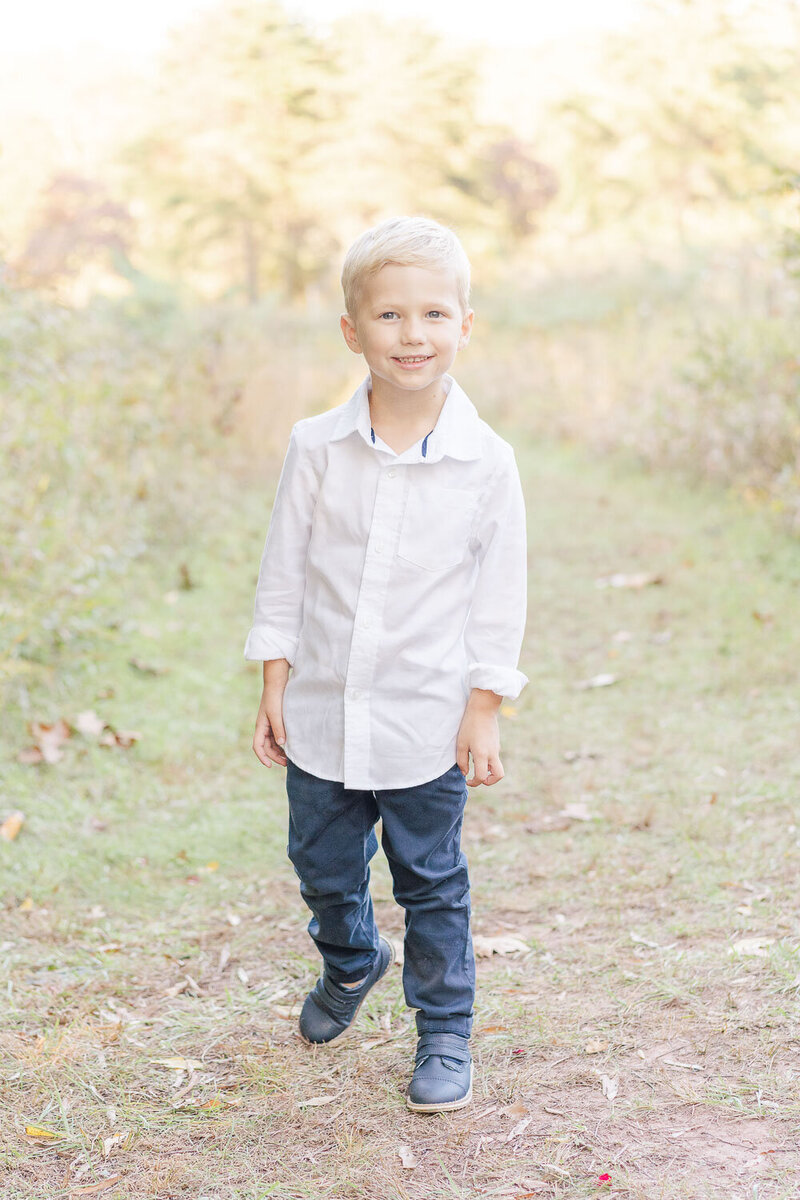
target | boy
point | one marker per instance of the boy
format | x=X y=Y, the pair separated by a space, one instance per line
x=392 y=584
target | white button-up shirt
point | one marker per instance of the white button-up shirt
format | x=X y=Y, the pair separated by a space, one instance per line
x=393 y=584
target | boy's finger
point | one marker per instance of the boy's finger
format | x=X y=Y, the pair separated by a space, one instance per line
x=480 y=770
x=496 y=771
x=260 y=737
x=462 y=759
x=275 y=719
x=274 y=751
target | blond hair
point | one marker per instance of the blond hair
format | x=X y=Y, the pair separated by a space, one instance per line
x=406 y=242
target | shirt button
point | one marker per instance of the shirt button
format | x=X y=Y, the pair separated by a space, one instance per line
x=378 y=548
x=391 y=472
x=355 y=694
x=367 y=623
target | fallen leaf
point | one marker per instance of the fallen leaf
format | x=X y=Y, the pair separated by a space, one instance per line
x=494 y=1029
x=89 y=724
x=517 y=1109
x=635 y=580
x=673 y=1062
x=595 y=1046
x=102 y=1185
x=178 y=1063
x=11 y=826
x=31 y=756
x=578 y=811
x=408 y=1159
x=37 y=1132
x=518 y=1129
x=50 y=738
x=610 y=1087
x=146 y=668
x=124 y=739
x=598 y=681
x=752 y=947
x=110 y=1143
x=318 y=1101
x=26 y=905
x=501 y=943
x=286 y=1012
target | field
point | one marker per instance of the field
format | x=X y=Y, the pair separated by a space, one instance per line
x=634 y=885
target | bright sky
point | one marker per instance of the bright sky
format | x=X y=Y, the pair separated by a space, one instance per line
x=139 y=28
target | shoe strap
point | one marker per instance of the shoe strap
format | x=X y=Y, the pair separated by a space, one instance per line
x=337 y=1001
x=446 y=1045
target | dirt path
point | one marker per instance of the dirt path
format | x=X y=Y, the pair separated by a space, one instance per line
x=635 y=895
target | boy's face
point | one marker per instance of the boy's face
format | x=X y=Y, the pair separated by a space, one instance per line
x=409 y=325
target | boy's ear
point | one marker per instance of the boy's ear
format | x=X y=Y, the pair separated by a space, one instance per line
x=466 y=329
x=348 y=327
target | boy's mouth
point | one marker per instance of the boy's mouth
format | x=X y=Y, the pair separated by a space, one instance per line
x=412 y=360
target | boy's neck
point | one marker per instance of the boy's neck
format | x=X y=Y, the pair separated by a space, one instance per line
x=402 y=418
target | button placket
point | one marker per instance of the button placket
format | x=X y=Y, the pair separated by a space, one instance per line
x=381 y=545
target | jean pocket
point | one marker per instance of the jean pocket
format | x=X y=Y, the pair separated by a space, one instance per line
x=436 y=527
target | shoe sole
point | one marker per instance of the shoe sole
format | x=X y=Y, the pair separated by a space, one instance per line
x=447 y=1105
x=349 y=1028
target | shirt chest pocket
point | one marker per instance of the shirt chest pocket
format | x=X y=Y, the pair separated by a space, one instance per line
x=436 y=527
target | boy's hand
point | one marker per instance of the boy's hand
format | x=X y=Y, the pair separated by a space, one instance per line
x=479 y=736
x=270 y=735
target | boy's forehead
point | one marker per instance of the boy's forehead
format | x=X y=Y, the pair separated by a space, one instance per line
x=400 y=279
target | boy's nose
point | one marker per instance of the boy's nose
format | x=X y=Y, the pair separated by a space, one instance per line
x=413 y=332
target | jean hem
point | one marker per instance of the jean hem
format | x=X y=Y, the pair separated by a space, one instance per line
x=460 y=1025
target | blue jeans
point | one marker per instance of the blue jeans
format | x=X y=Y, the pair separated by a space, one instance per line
x=331 y=841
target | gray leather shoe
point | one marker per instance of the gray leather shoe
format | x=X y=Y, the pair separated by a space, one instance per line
x=442 y=1078
x=330 y=1009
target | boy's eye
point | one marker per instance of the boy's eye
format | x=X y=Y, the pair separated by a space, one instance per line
x=435 y=313
x=387 y=315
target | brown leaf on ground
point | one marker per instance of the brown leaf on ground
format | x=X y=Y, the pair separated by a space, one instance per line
x=146 y=668
x=595 y=1046
x=89 y=724
x=177 y=1063
x=501 y=943
x=597 y=681
x=31 y=756
x=517 y=1109
x=318 y=1101
x=102 y=1185
x=408 y=1159
x=122 y=738
x=577 y=811
x=753 y=947
x=111 y=1143
x=47 y=740
x=11 y=826
x=636 y=580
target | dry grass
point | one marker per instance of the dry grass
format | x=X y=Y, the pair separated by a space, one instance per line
x=646 y=830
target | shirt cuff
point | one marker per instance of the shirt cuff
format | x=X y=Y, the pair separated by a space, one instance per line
x=505 y=681
x=265 y=643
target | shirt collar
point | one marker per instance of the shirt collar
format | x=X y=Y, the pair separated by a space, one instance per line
x=455 y=435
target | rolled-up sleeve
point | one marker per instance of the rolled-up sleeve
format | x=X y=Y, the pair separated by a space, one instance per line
x=496 y=622
x=278 y=613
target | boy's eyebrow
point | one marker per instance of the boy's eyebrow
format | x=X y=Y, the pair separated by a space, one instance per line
x=393 y=305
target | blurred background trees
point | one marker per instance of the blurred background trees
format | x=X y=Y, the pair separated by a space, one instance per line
x=171 y=239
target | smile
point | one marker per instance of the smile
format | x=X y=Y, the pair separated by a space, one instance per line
x=412 y=360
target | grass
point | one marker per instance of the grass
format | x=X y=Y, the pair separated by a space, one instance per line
x=644 y=845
